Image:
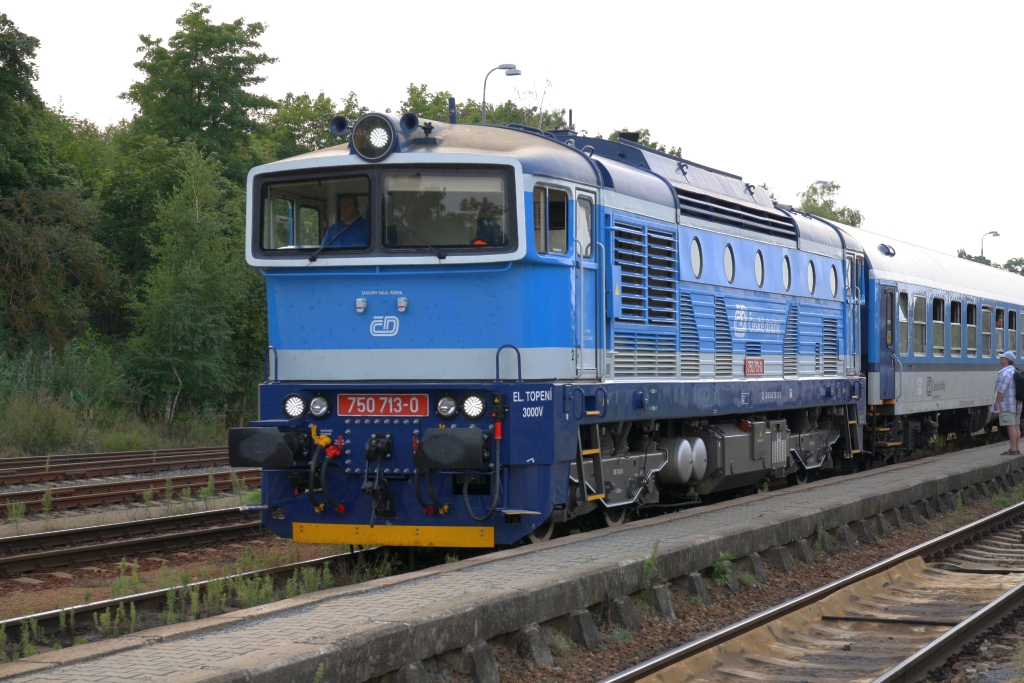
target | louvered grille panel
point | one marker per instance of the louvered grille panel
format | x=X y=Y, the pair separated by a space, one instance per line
x=644 y=354
x=830 y=342
x=720 y=211
x=817 y=359
x=790 y=348
x=648 y=261
x=689 y=340
x=630 y=255
x=723 y=340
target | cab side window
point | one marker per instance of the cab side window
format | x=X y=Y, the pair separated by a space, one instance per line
x=584 y=226
x=550 y=220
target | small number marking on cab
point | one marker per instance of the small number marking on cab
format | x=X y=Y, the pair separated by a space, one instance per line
x=533 y=411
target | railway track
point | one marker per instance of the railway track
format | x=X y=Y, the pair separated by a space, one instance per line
x=51 y=621
x=52 y=549
x=109 y=493
x=894 y=621
x=15 y=471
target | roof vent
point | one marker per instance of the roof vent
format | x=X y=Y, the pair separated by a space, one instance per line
x=886 y=250
x=626 y=135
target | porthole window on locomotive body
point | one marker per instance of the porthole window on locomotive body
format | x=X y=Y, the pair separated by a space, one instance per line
x=696 y=258
x=810 y=277
x=833 y=278
x=730 y=263
x=787 y=273
x=759 y=269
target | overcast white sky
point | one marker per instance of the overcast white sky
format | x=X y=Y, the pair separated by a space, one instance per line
x=913 y=107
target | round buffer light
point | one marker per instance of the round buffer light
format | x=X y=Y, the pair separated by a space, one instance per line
x=473 y=407
x=319 y=407
x=373 y=137
x=294 y=405
x=447 y=407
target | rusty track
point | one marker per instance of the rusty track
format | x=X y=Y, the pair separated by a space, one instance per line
x=891 y=622
x=63 y=458
x=52 y=549
x=112 y=464
x=89 y=495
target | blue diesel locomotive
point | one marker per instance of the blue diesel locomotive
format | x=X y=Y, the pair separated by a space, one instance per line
x=478 y=332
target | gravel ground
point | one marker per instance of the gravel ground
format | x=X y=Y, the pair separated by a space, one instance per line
x=623 y=649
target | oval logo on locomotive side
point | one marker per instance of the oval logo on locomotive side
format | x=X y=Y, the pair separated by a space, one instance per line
x=384 y=326
x=741 y=321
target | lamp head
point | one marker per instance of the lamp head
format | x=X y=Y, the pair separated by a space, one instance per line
x=506 y=66
x=513 y=72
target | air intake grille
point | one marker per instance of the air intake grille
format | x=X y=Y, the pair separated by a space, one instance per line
x=645 y=354
x=648 y=260
x=719 y=210
x=723 y=340
x=790 y=348
x=689 y=340
x=830 y=341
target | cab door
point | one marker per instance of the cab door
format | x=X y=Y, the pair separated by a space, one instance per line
x=887 y=345
x=587 y=282
x=854 y=301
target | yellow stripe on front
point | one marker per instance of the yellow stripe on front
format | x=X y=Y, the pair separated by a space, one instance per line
x=382 y=534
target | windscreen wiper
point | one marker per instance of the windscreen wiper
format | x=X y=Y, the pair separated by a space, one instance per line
x=439 y=254
x=323 y=246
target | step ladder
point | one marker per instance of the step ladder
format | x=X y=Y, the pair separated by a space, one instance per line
x=854 y=435
x=594 y=455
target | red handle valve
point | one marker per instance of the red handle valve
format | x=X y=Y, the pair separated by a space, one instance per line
x=332 y=451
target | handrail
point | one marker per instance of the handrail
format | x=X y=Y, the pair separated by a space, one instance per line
x=266 y=364
x=497 y=362
x=600 y=351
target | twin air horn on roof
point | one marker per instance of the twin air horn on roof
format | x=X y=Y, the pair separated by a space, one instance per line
x=373 y=135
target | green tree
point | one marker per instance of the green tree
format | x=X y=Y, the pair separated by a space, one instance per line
x=821 y=199
x=26 y=152
x=51 y=270
x=645 y=140
x=196 y=87
x=181 y=349
x=1015 y=265
x=962 y=253
x=434 y=106
x=302 y=124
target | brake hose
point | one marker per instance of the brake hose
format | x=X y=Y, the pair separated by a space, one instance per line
x=323 y=484
x=312 y=475
x=416 y=487
x=495 y=484
x=430 y=489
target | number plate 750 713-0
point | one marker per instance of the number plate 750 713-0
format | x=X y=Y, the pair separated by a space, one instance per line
x=384 y=405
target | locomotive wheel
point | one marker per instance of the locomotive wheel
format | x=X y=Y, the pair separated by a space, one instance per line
x=543 y=532
x=614 y=517
x=797 y=478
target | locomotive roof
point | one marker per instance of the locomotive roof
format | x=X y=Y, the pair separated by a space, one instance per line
x=917 y=265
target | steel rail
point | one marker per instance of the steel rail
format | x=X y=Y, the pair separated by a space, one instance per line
x=929 y=548
x=50 y=620
x=85 y=495
x=51 y=549
x=57 y=459
x=105 y=468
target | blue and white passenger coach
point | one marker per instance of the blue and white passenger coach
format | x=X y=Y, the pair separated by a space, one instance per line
x=479 y=332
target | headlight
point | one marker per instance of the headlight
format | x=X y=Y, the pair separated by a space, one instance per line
x=319 y=407
x=473 y=407
x=294 y=405
x=447 y=407
x=373 y=137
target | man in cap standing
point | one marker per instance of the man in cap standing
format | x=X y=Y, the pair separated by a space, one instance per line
x=1006 y=402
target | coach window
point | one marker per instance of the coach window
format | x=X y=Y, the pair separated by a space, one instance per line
x=903 y=331
x=1000 y=331
x=972 y=330
x=810 y=277
x=986 y=331
x=1011 y=331
x=938 y=327
x=787 y=273
x=955 y=329
x=730 y=263
x=584 y=226
x=759 y=268
x=920 y=325
x=696 y=258
x=550 y=219
x=888 y=318
x=834 y=281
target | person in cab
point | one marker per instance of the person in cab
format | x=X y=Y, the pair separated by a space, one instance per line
x=351 y=231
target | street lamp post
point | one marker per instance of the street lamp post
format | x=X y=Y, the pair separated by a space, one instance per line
x=991 y=232
x=510 y=70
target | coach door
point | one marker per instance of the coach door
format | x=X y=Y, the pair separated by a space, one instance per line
x=587 y=284
x=887 y=346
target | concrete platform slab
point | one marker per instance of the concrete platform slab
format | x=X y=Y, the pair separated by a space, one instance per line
x=363 y=631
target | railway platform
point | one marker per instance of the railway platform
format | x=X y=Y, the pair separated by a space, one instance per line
x=357 y=633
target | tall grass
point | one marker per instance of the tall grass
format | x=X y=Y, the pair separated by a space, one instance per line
x=80 y=400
